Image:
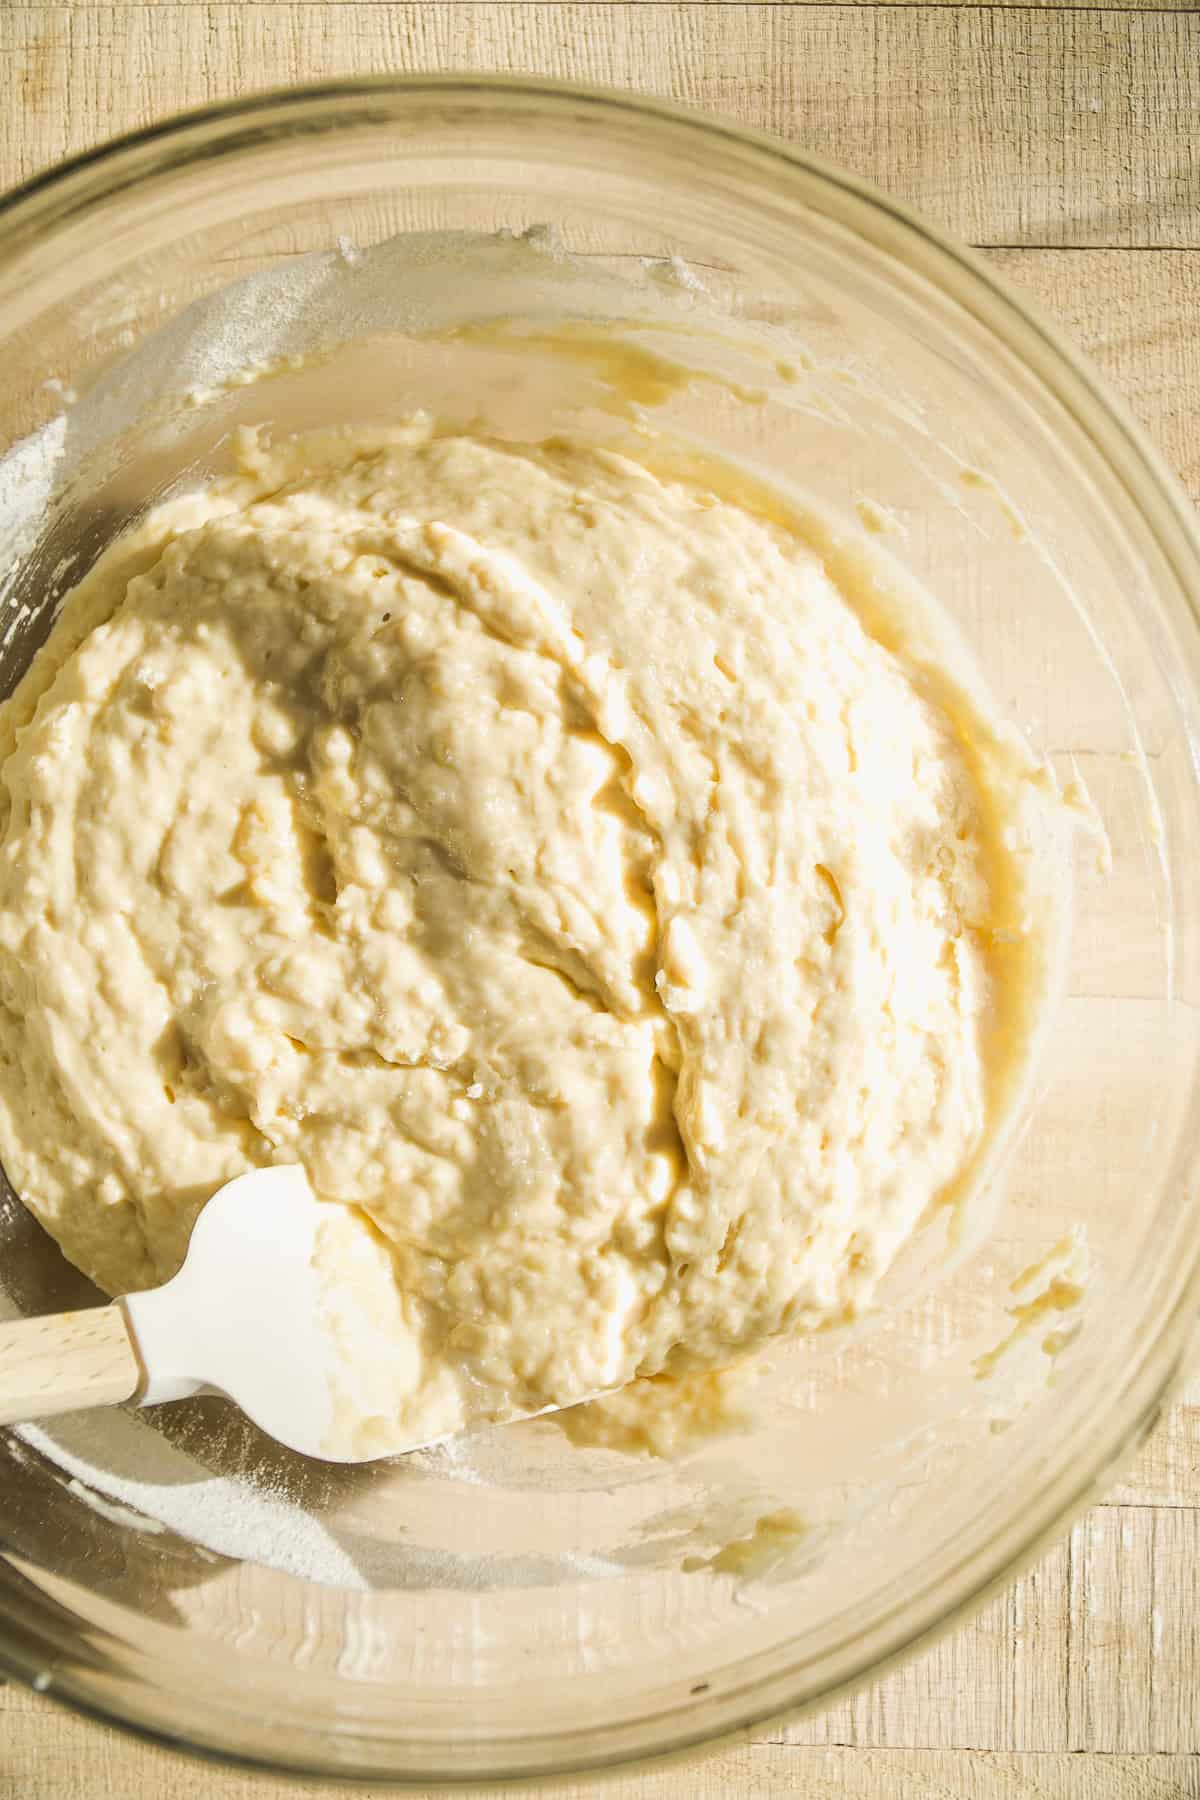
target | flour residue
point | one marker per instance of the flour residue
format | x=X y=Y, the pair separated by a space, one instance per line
x=173 y=1492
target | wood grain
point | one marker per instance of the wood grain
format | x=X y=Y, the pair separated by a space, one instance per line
x=1017 y=5
x=1136 y=316
x=1167 y=1470
x=67 y=1360
x=1096 y=1649
x=999 y=1680
x=47 y=1755
x=1027 y=127
x=1135 y=1629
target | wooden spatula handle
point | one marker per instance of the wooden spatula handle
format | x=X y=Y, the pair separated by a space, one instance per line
x=67 y=1360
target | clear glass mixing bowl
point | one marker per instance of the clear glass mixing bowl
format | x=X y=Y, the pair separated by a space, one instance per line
x=520 y=1603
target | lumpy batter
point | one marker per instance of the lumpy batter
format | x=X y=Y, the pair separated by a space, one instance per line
x=542 y=852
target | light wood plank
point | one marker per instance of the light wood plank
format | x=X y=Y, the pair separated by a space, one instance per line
x=1135 y=315
x=1167 y=1469
x=1023 y=5
x=1005 y=126
x=1096 y=1649
x=47 y=1754
x=999 y=1681
x=1135 y=1629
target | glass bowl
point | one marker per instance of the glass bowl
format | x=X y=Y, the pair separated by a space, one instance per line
x=519 y=1603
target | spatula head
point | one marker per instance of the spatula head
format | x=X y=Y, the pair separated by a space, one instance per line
x=244 y=1313
x=323 y=1355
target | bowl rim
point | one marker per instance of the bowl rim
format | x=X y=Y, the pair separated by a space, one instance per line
x=77 y=184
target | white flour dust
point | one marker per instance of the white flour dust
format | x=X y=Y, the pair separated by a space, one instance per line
x=234 y=1518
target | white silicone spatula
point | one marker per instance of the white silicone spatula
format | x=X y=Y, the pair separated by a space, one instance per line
x=243 y=1315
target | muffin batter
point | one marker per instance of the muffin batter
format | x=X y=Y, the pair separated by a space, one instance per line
x=545 y=854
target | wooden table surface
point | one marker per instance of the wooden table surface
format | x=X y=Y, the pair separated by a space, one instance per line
x=1064 y=141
